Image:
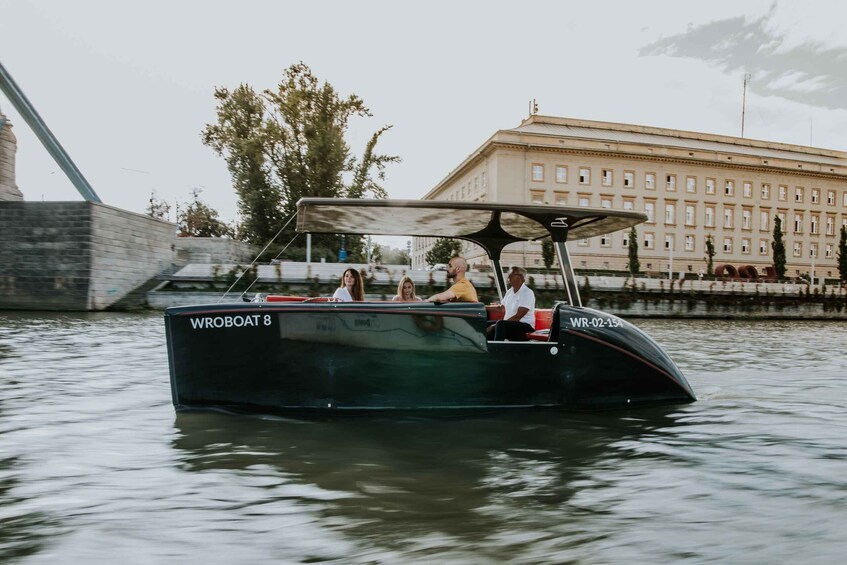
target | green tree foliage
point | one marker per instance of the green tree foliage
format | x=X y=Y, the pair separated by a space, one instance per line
x=288 y=143
x=633 y=265
x=443 y=250
x=842 y=254
x=548 y=254
x=198 y=220
x=778 y=247
x=710 y=255
x=158 y=208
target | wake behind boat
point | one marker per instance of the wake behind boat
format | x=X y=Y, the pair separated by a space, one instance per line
x=297 y=354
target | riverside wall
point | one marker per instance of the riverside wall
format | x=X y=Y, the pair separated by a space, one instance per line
x=625 y=297
x=77 y=256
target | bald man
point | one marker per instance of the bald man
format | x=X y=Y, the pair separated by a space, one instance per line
x=462 y=289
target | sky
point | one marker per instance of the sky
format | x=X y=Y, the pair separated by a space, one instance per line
x=127 y=87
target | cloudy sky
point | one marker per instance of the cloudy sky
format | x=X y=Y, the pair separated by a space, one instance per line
x=127 y=86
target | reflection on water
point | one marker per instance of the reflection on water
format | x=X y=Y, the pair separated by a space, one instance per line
x=94 y=463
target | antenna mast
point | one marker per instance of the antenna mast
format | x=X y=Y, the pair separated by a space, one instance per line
x=744 y=101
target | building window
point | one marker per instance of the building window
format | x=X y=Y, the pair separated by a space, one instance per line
x=537 y=196
x=689 y=243
x=710 y=217
x=605 y=202
x=625 y=238
x=691 y=185
x=650 y=181
x=764 y=220
x=798 y=249
x=844 y=199
x=746 y=219
x=745 y=246
x=828 y=251
x=830 y=225
x=783 y=192
x=766 y=192
x=798 y=194
x=628 y=204
x=605 y=240
x=583 y=242
x=585 y=201
x=727 y=217
x=606 y=179
x=561 y=198
x=670 y=214
x=783 y=226
x=813 y=250
x=763 y=247
x=537 y=172
x=690 y=214
x=798 y=223
x=816 y=196
x=650 y=210
x=830 y=198
x=729 y=188
x=670 y=183
x=727 y=245
x=814 y=226
x=561 y=174
x=747 y=189
x=629 y=179
x=584 y=175
x=669 y=242
x=648 y=240
x=484 y=178
x=710 y=186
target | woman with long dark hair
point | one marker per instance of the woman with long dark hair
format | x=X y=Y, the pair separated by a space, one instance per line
x=351 y=289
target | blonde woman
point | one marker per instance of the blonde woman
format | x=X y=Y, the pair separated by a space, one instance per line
x=406 y=291
x=351 y=289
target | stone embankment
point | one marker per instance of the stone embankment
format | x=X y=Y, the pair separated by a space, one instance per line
x=627 y=297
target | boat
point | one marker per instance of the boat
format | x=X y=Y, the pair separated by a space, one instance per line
x=288 y=354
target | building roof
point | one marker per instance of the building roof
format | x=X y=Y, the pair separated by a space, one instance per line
x=631 y=134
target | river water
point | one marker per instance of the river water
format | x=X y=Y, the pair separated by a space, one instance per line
x=96 y=467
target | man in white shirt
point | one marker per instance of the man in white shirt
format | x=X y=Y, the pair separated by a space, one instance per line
x=519 y=305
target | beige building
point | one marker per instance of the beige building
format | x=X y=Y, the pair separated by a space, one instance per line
x=690 y=185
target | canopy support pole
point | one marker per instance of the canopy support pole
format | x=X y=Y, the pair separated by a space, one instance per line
x=498 y=277
x=567 y=274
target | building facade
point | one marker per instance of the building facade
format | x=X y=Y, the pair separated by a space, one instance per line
x=690 y=185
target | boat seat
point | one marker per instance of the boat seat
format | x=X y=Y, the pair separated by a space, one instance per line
x=543 y=320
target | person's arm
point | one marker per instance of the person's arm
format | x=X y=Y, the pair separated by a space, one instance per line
x=445 y=296
x=519 y=314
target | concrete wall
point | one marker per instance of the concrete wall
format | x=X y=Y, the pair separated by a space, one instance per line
x=215 y=250
x=127 y=250
x=8 y=148
x=77 y=255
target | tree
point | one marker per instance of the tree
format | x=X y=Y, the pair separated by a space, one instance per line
x=158 y=208
x=443 y=250
x=547 y=253
x=288 y=143
x=198 y=220
x=842 y=254
x=778 y=247
x=710 y=255
x=633 y=265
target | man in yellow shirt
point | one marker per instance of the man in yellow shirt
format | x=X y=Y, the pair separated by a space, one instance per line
x=462 y=289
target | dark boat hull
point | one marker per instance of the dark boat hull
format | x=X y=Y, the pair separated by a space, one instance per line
x=387 y=356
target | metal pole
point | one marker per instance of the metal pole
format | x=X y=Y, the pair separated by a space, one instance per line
x=308 y=248
x=567 y=273
x=44 y=135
